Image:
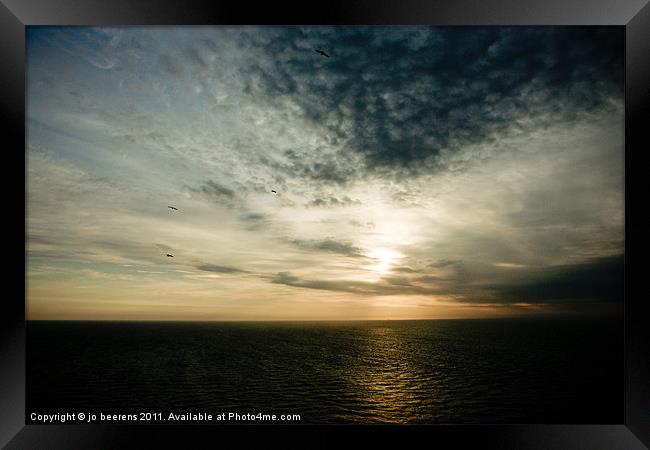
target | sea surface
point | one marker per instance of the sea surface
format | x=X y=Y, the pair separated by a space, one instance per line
x=541 y=370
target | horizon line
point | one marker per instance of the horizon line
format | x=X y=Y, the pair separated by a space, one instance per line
x=537 y=316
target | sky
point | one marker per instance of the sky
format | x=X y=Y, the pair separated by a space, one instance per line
x=420 y=172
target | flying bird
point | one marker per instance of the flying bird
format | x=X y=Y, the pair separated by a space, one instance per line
x=171 y=207
x=321 y=52
x=170 y=256
x=273 y=191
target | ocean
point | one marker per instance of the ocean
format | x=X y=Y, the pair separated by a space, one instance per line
x=532 y=370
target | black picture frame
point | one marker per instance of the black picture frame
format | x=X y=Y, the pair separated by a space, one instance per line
x=634 y=15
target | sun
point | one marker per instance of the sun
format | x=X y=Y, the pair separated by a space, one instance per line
x=385 y=259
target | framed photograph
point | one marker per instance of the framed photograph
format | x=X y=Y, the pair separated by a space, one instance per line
x=382 y=219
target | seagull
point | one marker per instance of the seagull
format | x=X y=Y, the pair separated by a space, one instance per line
x=171 y=207
x=170 y=256
x=321 y=52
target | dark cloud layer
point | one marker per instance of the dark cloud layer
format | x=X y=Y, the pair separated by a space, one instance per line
x=599 y=280
x=404 y=97
x=596 y=283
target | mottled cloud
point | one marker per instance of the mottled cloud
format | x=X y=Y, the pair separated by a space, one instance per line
x=333 y=202
x=403 y=106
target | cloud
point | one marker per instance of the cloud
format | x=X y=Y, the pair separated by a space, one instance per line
x=350 y=286
x=444 y=263
x=597 y=280
x=217 y=192
x=333 y=202
x=219 y=269
x=329 y=246
x=403 y=107
x=327 y=171
x=359 y=224
x=455 y=265
x=387 y=285
x=580 y=287
x=254 y=221
x=489 y=159
x=510 y=265
x=404 y=269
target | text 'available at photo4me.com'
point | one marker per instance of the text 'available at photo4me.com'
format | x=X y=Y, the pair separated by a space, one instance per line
x=159 y=417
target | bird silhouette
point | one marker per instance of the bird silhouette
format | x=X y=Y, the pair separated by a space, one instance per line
x=170 y=256
x=171 y=207
x=321 y=52
x=273 y=191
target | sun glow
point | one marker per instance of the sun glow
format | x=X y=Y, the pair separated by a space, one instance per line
x=384 y=258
